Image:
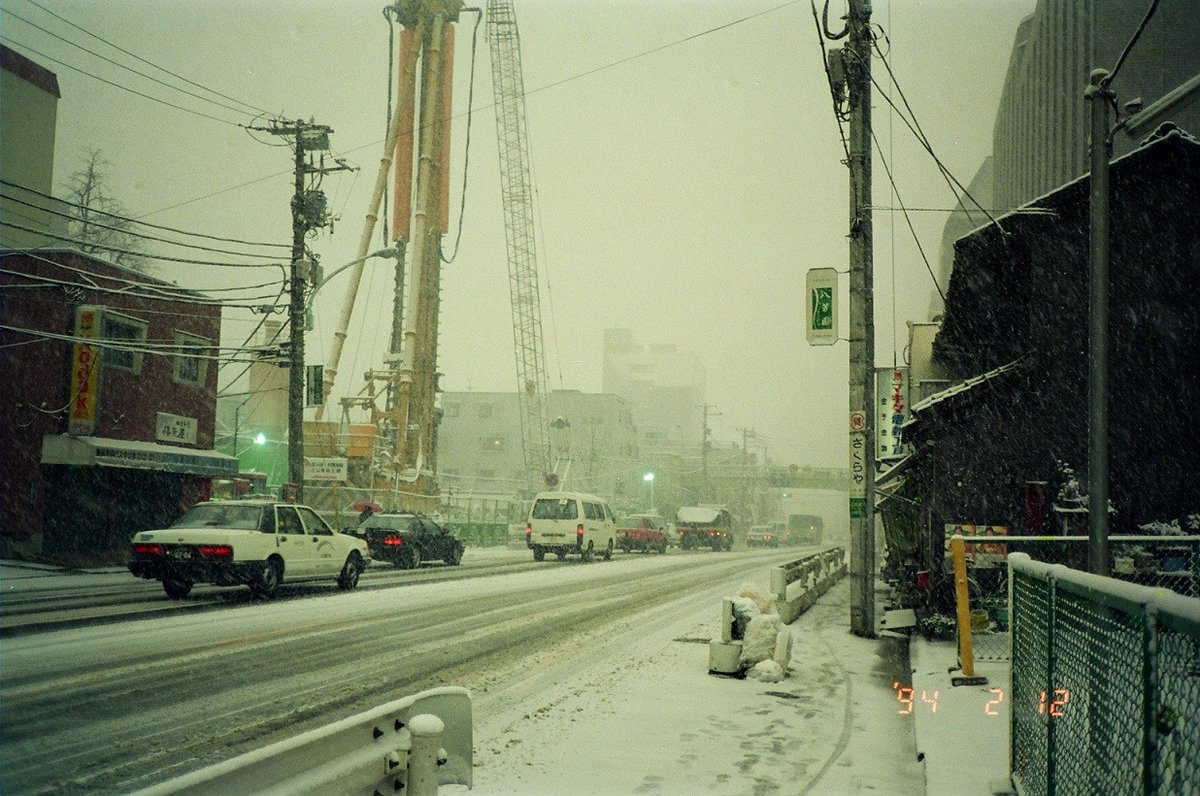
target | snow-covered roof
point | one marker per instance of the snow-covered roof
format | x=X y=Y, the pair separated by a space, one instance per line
x=964 y=386
x=698 y=514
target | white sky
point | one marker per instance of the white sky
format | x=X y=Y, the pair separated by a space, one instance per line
x=683 y=189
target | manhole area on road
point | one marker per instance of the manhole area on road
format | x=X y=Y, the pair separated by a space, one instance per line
x=690 y=640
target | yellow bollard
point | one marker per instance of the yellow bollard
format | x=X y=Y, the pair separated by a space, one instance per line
x=963 y=601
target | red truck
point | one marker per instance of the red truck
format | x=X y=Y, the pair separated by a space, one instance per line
x=644 y=532
x=704 y=526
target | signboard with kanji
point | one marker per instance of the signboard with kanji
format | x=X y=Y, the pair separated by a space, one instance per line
x=85 y=372
x=821 y=313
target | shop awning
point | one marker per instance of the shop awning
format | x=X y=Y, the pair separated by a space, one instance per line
x=106 y=452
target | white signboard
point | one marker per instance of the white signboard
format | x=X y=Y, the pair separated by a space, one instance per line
x=325 y=469
x=821 y=314
x=174 y=428
x=891 y=404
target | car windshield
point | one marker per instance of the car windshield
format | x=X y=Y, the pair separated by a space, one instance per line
x=555 y=509
x=221 y=515
x=388 y=523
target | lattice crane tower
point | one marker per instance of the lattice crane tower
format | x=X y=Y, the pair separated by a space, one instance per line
x=517 y=198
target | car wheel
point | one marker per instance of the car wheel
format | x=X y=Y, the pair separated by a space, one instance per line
x=177 y=588
x=454 y=557
x=269 y=578
x=608 y=551
x=411 y=558
x=560 y=555
x=539 y=554
x=350 y=572
x=589 y=553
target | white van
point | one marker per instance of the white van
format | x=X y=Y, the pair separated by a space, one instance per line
x=570 y=522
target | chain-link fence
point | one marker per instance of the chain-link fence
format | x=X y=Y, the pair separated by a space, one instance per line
x=1171 y=562
x=1105 y=684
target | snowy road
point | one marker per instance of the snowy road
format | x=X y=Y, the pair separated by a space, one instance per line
x=114 y=707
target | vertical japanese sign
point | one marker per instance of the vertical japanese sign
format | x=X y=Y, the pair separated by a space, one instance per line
x=821 y=314
x=858 y=464
x=85 y=372
x=891 y=396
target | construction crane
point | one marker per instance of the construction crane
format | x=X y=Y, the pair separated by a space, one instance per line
x=516 y=192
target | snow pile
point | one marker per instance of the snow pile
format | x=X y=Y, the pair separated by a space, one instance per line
x=766 y=645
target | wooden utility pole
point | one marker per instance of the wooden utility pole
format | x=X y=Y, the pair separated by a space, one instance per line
x=308 y=212
x=862 y=326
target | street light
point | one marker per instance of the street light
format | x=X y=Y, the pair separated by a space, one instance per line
x=650 y=477
x=299 y=321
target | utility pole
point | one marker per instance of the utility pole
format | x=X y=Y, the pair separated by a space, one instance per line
x=1098 y=94
x=862 y=325
x=706 y=408
x=308 y=212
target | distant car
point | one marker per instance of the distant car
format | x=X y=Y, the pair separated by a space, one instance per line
x=406 y=540
x=761 y=536
x=255 y=543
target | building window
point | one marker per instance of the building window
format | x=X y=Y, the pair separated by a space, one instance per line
x=191 y=367
x=131 y=334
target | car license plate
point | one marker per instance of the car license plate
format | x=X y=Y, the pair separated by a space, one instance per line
x=180 y=553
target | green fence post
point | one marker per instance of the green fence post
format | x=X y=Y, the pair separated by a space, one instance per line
x=1150 y=674
x=1051 y=613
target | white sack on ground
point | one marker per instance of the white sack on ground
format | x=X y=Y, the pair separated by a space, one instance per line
x=767 y=671
x=759 y=642
x=761 y=600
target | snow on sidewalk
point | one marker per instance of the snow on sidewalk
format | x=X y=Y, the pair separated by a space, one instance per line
x=638 y=713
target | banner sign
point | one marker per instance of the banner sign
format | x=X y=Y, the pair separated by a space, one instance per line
x=858 y=474
x=85 y=372
x=821 y=314
x=891 y=396
x=979 y=554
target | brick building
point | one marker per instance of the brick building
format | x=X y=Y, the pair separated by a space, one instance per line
x=103 y=439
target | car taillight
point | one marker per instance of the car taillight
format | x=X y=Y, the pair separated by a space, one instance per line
x=528 y=530
x=143 y=549
x=215 y=551
x=579 y=531
x=393 y=541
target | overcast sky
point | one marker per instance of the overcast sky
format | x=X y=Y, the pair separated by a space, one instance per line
x=686 y=160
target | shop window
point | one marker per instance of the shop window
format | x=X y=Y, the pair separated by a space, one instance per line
x=191 y=365
x=130 y=333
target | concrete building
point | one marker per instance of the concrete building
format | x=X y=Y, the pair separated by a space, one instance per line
x=1040 y=136
x=592 y=441
x=665 y=388
x=1040 y=139
x=27 y=130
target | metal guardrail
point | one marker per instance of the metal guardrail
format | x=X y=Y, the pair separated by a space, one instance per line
x=1105 y=684
x=412 y=745
x=795 y=586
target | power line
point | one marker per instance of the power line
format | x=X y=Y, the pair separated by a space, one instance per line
x=147 y=223
x=896 y=192
x=148 y=63
x=52 y=59
x=131 y=233
x=120 y=65
x=132 y=253
x=538 y=89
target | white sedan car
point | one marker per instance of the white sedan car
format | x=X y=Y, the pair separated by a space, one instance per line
x=256 y=543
